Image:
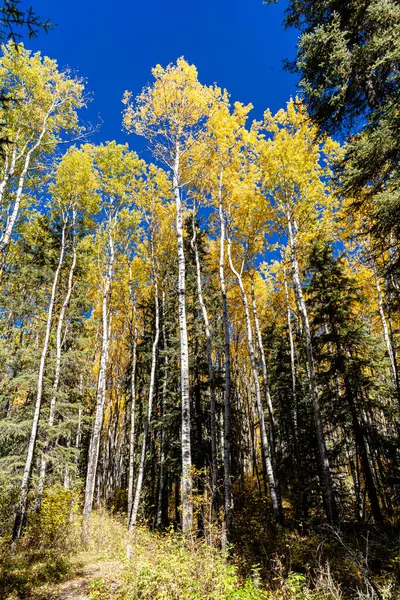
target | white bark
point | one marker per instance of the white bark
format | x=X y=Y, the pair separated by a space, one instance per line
x=60 y=325
x=133 y=407
x=21 y=508
x=292 y=360
x=12 y=216
x=326 y=480
x=161 y=480
x=213 y=426
x=265 y=374
x=94 y=447
x=139 y=482
x=187 y=484
x=228 y=496
x=8 y=171
x=78 y=434
x=263 y=432
x=386 y=329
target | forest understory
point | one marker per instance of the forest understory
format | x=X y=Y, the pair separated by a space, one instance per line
x=52 y=562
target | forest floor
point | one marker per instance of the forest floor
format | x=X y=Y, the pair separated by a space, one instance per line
x=113 y=565
x=85 y=571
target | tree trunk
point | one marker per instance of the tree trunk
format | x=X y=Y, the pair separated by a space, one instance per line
x=275 y=500
x=358 y=430
x=8 y=171
x=187 y=484
x=292 y=365
x=363 y=453
x=161 y=479
x=23 y=496
x=228 y=496
x=133 y=406
x=94 y=446
x=150 y=398
x=325 y=473
x=13 y=214
x=390 y=349
x=43 y=464
x=213 y=426
x=266 y=388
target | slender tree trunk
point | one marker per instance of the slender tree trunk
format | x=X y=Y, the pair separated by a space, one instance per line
x=275 y=500
x=292 y=364
x=358 y=430
x=60 y=324
x=67 y=474
x=161 y=480
x=390 y=349
x=363 y=453
x=94 y=447
x=23 y=496
x=187 y=483
x=325 y=472
x=150 y=399
x=5 y=237
x=133 y=407
x=228 y=496
x=8 y=171
x=78 y=435
x=266 y=387
x=213 y=426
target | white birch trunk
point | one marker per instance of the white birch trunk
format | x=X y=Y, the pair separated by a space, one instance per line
x=139 y=482
x=21 y=507
x=133 y=407
x=78 y=435
x=228 y=496
x=292 y=361
x=187 y=484
x=213 y=426
x=265 y=377
x=326 y=479
x=60 y=324
x=12 y=216
x=263 y=432
x=386 y=329
x=161 y=480
x=94 y=448
x=8 y=172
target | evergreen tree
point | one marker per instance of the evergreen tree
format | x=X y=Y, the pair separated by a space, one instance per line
x=344 y=360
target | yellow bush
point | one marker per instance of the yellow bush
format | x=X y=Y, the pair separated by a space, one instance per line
x=57 y=525
x=166 y=567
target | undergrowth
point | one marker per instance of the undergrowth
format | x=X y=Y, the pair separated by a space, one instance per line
x=322 y=565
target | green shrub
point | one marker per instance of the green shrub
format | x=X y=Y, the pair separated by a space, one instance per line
x=166 y=567
x=57 y=525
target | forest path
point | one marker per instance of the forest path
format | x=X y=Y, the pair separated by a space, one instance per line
x=78 y=587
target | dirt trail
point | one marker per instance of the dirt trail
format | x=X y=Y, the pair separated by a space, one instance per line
x=78 y=588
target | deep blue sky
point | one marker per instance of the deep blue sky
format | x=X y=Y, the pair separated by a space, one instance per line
x=238 y=44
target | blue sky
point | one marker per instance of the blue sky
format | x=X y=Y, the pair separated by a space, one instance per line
x=238 y=44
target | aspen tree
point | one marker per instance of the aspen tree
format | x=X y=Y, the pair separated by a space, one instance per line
x=172 y=115
x=149 y=203
x=161 y=479
x=75 y=186
x=44 y=107
x=139 y=483
x=23 y=495
x=247 y=221
x=132 y=411
x=293 y=178
x=213 y=425
x=119 y=173
x=223 y=142
x=273 y=425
